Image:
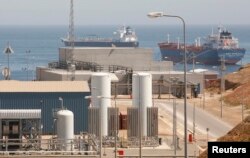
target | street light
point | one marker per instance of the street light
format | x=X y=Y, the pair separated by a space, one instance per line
x=8 y=50
x=161 y=14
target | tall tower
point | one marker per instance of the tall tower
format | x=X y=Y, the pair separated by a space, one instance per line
x=70 y=62
x=71 y=24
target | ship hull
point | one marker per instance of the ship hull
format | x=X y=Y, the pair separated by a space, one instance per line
x=101 y=44
x=214 y=56
x=172 y=55
x=171 y=52
x=205 y=56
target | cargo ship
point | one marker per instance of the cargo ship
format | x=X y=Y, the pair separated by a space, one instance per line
x=124 y=37
x=217 y=47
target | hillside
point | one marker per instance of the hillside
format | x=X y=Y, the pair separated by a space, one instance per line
x=240 y=133
x=239 y=83
x=242 y=76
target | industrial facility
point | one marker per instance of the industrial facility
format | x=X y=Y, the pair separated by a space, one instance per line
x=73 y=118
x=45 y=96
x=75 y=101
x=71 y=108
x=113 y=97
x=16 y=125
x=87 y=61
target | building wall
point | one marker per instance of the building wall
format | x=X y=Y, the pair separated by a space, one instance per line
x=48 y=102
x=136 y=58
x=46 y=74
x=193 y=78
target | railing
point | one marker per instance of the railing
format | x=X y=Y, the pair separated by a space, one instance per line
x=79 y=145
x=133 y=142
x=81 y=65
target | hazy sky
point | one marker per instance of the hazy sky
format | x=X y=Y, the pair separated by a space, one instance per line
x=119 y=12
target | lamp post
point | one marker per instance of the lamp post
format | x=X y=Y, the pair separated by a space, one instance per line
x=204 y=88
x=161 y=14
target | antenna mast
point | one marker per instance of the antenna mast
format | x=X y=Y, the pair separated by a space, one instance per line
x=71 y=24
x=70 y=62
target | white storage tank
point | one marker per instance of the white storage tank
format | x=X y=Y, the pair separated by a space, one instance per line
x=142 y=96
x=101 y=97
x=65 y=129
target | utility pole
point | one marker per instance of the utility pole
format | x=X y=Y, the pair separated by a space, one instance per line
x=223 y=68
x=194 y=121
x=116 y=126
x=241 y=99
x=194 y=136
x=174 y=127
x=204 y=88
x=174 y=80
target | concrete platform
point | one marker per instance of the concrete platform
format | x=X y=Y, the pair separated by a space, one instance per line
x=139 y=59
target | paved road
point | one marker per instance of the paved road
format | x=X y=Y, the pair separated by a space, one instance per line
x=203 y=119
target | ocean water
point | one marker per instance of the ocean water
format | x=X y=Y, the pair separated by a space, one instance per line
x=37 y=45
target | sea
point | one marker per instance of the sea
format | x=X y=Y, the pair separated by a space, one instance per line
x=38 y=45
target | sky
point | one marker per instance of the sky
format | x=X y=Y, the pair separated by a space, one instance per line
x=123 y=12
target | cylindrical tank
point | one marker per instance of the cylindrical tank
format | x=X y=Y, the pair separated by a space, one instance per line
x=142 y=96
x=101 y=97
x=65 y=129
